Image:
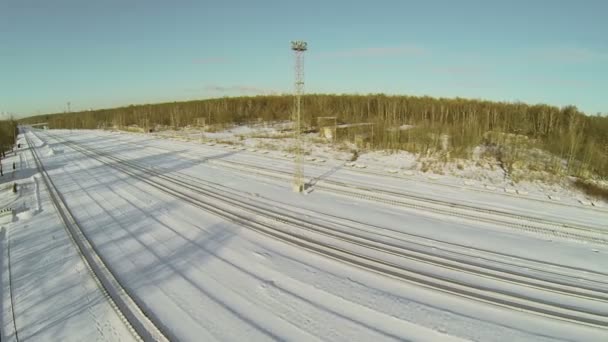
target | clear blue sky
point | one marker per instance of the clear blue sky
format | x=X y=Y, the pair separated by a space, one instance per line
x=99 y=54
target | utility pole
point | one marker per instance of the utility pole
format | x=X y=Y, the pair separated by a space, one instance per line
x=299 y=47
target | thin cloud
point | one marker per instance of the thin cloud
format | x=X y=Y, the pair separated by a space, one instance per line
x=570 y=54
x=395 y=51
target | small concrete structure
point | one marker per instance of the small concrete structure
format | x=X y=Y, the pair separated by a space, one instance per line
x=359 y=132
x=328 y=133
x=327 y=127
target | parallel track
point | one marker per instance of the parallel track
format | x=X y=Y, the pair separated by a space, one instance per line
x=299 y=230
x=410 y=238
x=132 y=314
x=500 y=218
x=411 y=201
x=412 y=178
x=10 y=284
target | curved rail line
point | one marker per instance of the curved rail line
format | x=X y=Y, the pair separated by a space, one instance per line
x=289 y=216
x=250 y=168
x=393 y=234
x=501 y=218
x=131 y=313
x=265 y=220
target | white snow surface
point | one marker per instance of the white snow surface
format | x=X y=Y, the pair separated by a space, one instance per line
x=53 y=296
x=477 y=174
x=206 y=278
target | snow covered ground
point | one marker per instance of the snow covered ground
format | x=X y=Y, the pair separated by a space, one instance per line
x=47 y=290
x=479 y=173
x=204 y=276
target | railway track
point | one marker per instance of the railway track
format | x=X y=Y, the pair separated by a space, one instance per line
x=5 y=235
x=422 y=242
x=126 y=306
x=360 y=250
x=501 y=219
x=412 y=178
x=394 y=234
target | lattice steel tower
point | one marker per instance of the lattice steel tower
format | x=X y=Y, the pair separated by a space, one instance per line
x=298 y=47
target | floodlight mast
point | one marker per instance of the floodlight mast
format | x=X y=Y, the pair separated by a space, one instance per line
x=299 y=47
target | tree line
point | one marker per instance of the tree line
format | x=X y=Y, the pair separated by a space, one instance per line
x=579 y=139
x=8 y=134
